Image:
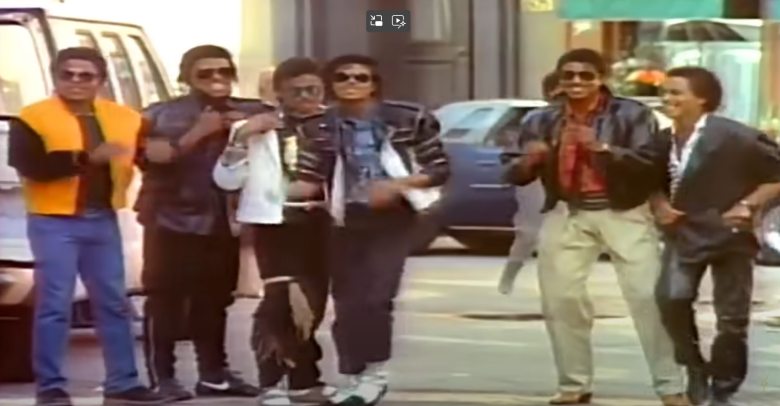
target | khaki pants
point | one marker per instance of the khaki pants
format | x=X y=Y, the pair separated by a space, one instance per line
x=569 y=246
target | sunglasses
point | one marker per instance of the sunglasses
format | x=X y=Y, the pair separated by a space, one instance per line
x=584 y=75
x=210 y=73
x=305 y=91
x=345 y=77
x=77 y=76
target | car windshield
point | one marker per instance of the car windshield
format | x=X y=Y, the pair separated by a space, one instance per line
x=21 y=76
x=468 y=123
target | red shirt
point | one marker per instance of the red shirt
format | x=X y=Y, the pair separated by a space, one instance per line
x=573 y=154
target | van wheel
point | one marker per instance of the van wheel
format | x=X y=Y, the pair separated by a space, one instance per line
x=16 y=347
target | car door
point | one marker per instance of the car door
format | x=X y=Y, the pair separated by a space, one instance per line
x=476 y=196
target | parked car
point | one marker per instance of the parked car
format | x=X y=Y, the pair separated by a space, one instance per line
x=29 y=38
x=477 y=205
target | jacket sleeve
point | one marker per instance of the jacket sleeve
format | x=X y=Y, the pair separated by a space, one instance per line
x=27 y=154
x=515 y=172
x=639 y=155
x=764 y=159
x=148 y=132
x=232 y=168
x=429 y=150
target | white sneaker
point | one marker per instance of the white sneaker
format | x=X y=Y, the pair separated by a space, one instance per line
x=274 y=397
x=345 y=394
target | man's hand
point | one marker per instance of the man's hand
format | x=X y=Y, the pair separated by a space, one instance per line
x=209 y=122
x=665 y=214
x=739 y=217
x=302 y=314
x=159 y=151
x=586 y=136
x=536 y=152
x=231 y=117
x=384 y=193
x=105 y=152
x=300 y=190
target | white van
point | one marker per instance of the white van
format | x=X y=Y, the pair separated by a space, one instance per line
x=29 y=38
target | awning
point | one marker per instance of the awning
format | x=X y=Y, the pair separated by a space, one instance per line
x=773 y=9
x=640 y=9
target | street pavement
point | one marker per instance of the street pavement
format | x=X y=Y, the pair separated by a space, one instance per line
x=460 y=343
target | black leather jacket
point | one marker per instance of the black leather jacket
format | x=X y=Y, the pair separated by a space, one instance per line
x=411 y=129
x=630 y=129
x=181 y=196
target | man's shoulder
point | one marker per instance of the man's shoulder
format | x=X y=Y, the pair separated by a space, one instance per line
x=41 y=106
x=399 y=108
x=630 y=105
x=733 y=128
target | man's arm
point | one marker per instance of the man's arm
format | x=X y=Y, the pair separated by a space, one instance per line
x=528 y=167
x=27 y=154
x=429 y=153
x=316 y=156
x=765 y=167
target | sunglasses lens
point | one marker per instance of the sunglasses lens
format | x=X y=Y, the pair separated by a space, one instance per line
x=211 y=72
x=341 y=77
x=77 y=76
x=586 y=76
x=362 y=78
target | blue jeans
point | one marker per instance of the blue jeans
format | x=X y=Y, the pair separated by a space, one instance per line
x=89 y=245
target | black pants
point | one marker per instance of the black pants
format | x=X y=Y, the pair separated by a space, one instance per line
x=190 y=281
x=299 y=249
x=732 y=275
x=368 y=264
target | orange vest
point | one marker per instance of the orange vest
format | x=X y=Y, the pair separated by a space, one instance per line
x=59 y=129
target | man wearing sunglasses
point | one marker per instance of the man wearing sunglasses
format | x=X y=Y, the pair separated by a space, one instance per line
x=368 y=151
x=595 y=155
x=290 y=246
x=191 y=255
x=75 y=154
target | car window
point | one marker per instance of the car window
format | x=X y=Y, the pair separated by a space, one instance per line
x=86 y=39
x=120 y=61
x=22 y=79
x=152 y=84
x=508 y=130
x=469 y=126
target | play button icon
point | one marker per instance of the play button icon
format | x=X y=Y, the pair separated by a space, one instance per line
x=388 y=20
x=399 y=20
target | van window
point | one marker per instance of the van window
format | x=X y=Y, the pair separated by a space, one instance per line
x=152 y=84
x=86 y=39
x=22 y=79
x=118 y=58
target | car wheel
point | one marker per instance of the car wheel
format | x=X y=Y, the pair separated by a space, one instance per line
x=769 y=236
x=485 y=244
x=16 y=347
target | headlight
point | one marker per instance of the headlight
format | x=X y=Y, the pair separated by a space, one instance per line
x=770 y=229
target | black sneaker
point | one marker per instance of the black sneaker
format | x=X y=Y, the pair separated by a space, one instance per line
x=53 y=397
x=229 y=386
x=173 y=391
x=139 y=395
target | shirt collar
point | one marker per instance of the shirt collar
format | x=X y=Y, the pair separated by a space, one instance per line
x=698 y=127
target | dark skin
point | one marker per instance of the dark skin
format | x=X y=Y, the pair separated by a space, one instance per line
x=213 y=77
x=77 y=83
x=685 y=108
